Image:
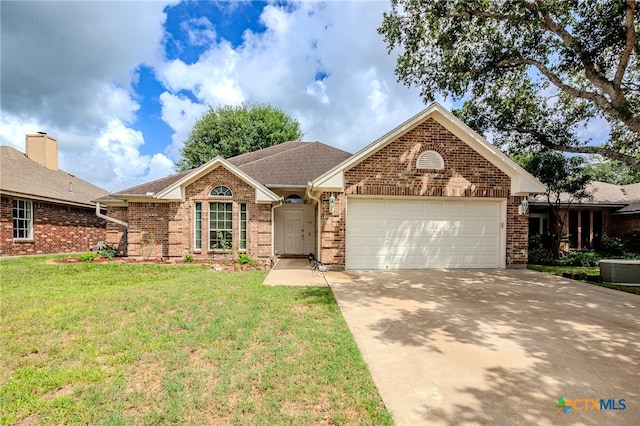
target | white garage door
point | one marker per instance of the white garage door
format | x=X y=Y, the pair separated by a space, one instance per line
x=417 y=234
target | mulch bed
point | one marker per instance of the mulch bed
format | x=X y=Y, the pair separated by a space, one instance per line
x=156 y=261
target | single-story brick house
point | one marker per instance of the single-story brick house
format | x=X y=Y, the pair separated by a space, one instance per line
x=43 y=209
x=431 y=193
x=609 y=209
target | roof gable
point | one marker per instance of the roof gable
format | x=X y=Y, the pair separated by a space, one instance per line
x=522 y=182
x=172 y=188
x=22 y=177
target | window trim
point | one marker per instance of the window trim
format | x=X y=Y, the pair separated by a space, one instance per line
x=216 y=219
x=243 y=236
x=28 y=208
x=221 y=191
x=293 y=199
x=197 y=226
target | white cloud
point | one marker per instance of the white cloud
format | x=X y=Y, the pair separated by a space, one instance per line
x=180 y=113
x=68 y=69
x=74 y=65
x=117 y=148
x=323 y=63
x=200 y=31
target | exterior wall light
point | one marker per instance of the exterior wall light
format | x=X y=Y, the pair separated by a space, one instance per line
x=332 y=204
x=522 y=208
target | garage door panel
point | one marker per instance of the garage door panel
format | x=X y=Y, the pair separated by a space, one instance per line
x=414 y=234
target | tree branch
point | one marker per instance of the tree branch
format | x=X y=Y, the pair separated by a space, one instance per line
x=618 y=104
x=630 y=161
x=595 y=77
x=629 y=44
x=488 y=15
x=631 y=120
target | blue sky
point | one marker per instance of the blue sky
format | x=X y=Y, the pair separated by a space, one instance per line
x=120 y=84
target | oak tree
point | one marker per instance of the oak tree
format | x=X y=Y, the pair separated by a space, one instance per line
x=233 y=130
x=533 y=72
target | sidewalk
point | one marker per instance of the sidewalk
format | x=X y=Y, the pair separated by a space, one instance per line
x=294 y=272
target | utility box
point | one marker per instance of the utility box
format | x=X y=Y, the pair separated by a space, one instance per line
x=620 y=271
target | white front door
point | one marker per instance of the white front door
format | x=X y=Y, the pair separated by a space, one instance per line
x=294 y=231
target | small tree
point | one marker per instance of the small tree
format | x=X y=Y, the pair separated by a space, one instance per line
x=233 y=130
x=147 y=245
x=566 y=182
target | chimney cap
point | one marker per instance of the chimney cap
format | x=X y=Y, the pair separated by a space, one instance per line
x=42 y=133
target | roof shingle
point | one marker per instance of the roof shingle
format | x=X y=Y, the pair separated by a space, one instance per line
x=288 y=164
x=21 y=176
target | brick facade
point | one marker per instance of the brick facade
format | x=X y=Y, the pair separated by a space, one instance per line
x=392 y=171
x=622 y=225
x=159 y=229
x=57 y=228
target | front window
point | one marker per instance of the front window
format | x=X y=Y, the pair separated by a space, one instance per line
x=22 y=219
x=242 y=244
x=221 y=191
x=220 y=225
x=294 y=199
x=198 y=226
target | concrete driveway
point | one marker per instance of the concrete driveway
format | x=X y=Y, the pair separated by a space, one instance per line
x=495 y=347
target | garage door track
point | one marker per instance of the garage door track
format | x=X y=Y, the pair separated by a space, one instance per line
x=496 y=347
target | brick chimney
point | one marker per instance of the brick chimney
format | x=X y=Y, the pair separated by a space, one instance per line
x=43 y=149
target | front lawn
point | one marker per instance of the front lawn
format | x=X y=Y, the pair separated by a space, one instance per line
x=594 y=270
x=179 y=344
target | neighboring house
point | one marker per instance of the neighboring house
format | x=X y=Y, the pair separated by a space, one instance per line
x=610 y=209
x=43 y=209
x=431 y=193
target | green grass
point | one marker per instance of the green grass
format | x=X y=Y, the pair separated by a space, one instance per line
x=122 y=344
x=594 y=270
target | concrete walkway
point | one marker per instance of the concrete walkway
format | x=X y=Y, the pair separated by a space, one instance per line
x=495 y=347
x=294 y=272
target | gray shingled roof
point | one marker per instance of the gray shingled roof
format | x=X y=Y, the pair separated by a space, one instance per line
x=290 y=164
x=627 y=197
x=20 y=176
x=287 y=164
x=632 y=208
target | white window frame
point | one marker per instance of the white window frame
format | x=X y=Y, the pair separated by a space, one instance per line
x=215 y=219
x=544 y=217
x=221 y=191
x=243 y=237
x=22 y=212
x=197 y=226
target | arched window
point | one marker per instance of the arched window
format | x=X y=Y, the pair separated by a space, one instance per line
x=221 y=191
x=293 y=199
x=430 y=160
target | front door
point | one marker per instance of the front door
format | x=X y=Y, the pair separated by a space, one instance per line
x=294 y=231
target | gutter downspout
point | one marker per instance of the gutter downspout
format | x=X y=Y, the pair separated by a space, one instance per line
x=118 y=222
x=110 y=219
x=273 y=228
x=318 y=219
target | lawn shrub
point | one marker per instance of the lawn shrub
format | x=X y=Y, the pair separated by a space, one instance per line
x=612 y=246
x=88 y=256
x=627 y=247
x=108 y=251
x=580 y=258
x=243 y=259
x=572 y=258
